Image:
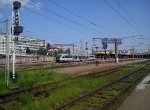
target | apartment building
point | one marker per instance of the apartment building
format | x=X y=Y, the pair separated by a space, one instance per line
x=21 y=45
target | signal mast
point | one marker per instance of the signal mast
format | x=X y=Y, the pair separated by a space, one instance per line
x=16 y=29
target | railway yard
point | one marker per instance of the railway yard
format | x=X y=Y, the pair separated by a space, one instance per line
x=72 y=86
x=74 y=55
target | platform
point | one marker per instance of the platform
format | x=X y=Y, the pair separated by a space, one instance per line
x=139 y=98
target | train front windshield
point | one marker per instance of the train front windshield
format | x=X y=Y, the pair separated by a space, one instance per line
x=58 y=57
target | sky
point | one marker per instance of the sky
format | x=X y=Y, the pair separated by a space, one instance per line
x=73 y=21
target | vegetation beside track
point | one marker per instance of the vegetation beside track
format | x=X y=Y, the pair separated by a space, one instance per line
x=73 y=89
x=30 y=78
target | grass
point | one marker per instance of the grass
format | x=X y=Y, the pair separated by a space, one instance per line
x=30 y=78
x=3 y=87
x=73 y=89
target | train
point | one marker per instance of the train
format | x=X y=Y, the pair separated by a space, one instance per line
x=74 y=58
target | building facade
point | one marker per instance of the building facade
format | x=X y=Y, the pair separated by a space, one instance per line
x=21 y=45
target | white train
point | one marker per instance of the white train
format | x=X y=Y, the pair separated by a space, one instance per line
x=75 y=58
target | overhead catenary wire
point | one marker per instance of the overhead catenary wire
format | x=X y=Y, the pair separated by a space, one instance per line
x=82 y=26
x=54 y=20
x=123 y=18
x=44 y=16
x=131 y=18
x=3 y=21
x=82 y=18
x=51 y=37
x=43 y=32
x=58 y=21
x=73 y=13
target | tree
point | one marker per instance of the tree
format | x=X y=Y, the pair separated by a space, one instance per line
x=67 y=51
x=60 y=51
x=41 y=51
x=47 y=46
x=28 y=51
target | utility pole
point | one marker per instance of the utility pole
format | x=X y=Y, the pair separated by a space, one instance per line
x=81 y=47
x=105 y=54
x=133 y=54
x=86 y=49
x=104 y=42
x=7 y=54
x=116 y=50
x=44 y=50
x=96 y=56
x=142 y=55
x=13 y=43
x=73 y=48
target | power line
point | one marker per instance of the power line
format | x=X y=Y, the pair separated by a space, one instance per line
x=131 y=18
x=126 y=20
x=50 y=36
x=52 y=40
x=3 y=21
x=73 y=13
x=54 y=20
x=48 y=33
x=84 y=27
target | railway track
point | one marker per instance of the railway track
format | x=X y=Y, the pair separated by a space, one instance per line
x=42 y=89
x=48 y=88
x=33 y=66
x=103 y=97
x=39 y=67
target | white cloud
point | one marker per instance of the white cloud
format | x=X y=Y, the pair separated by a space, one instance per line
x=23 y=3
x=8 y=2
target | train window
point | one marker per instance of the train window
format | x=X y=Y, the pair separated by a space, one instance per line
x=92 y=56
x=65 y=56
x=58 y=56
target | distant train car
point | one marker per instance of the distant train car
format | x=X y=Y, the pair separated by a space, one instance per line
x=83 y=57
x=91 y=57
x=74 y=58
x=64 y=58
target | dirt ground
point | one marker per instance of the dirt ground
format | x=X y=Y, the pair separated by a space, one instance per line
x=88 y=68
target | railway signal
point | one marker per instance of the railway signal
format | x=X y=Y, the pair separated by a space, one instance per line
x=106 y=41
x=16 y=29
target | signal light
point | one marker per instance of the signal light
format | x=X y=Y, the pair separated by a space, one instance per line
x=16 y=18
x=16 y=5
x=18 y=30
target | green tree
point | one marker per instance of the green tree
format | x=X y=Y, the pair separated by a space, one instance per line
x=28 y=51
x=41 y=51
x=60 y=51
x=67 y=51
